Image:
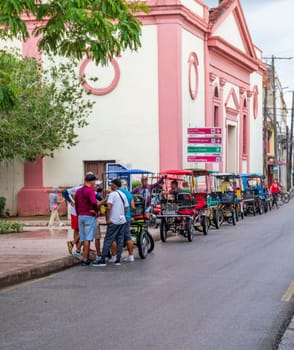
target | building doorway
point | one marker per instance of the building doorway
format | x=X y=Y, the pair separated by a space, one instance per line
x=231 y=149
x=97 y=167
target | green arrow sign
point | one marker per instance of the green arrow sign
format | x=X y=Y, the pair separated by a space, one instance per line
x=204 y=149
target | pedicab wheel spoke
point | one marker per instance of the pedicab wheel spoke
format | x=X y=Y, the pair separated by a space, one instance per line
x=150 y=243
x=234 y=217
x=216 y=219
x=143 y=243
x=189 y=230
x=204 y=222
x=163 y=230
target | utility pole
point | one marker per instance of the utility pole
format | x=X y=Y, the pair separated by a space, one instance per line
x=291 y=145
x=276 y=156
x=265 y=134
x=275 y=114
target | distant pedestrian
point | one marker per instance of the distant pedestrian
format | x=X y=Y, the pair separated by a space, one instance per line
x=274 y=191
x=87 y=210
x=117 y=204
x=53 y=207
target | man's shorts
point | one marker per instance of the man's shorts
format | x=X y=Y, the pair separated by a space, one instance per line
x=74 y=222
x=127 y=231
x=87 y=227
x=98 y=231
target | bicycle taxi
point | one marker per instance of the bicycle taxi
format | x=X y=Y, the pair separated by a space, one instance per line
x=256 y=198
x=204 y=194
x=228 y=191
x=140 y=218
x=180 y=213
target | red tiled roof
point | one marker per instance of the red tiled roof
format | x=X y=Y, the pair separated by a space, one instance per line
x=216 y=12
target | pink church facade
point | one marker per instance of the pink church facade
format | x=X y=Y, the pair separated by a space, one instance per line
x=196 y=68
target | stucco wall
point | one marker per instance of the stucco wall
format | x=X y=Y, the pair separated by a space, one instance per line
x=124 y=123
x=194 y=6
x=11 y=181
x=230 y=32
x=256 y=153
x=192 y=110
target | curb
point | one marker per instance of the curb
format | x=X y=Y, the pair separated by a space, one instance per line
x=44 y=269
x=33 y=272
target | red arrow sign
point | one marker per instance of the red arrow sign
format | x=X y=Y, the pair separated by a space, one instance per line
x=206 y=159
x=205 y=131
x=205 y=140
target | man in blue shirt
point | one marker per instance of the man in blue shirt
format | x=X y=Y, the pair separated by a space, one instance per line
x=127 y=231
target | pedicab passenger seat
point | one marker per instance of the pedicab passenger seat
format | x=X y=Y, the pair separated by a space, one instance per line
x=248 y=196
x=200 y=200
x=215 y=199
x=139 y=212
x=228 y=197
x=186 y=203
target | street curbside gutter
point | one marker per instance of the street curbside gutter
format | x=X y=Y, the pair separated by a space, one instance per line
x=22 y=275
x=33 y=272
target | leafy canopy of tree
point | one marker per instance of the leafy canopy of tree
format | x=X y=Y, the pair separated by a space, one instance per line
x=45 y=114
x=99 y=28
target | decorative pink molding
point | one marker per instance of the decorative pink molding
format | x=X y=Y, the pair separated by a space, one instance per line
x=242 y=90
x=222 y=82
x=249 y=93
x=170 y=96
x=212 y=77
x=193 y=64
x=232 y=94
x=255 y=102
x=102 y=91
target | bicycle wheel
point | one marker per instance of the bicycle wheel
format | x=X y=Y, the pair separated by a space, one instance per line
x=189 y=230
x=143 y=243
x=151 y=242
x=285 y=197
x=204 y=224
x=163 y=230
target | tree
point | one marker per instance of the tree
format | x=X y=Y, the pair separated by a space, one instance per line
x=72 y=28
x=47 y=109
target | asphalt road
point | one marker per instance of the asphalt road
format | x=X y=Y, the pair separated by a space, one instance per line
x=220 y=292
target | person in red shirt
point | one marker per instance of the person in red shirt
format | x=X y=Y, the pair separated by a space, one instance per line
x=274 y=191
x=87 y=209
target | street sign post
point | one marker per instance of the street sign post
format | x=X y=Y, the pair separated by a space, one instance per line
x=205 y=159
x=205 y=131
x=205 y=149
x=205 y=140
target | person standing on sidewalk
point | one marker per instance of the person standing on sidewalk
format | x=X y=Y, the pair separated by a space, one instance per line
x=53 y=206
x=127 y=230
x=274 y=191
x=117 y=204
x=87 y=210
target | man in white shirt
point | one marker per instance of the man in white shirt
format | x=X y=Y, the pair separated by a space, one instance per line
x=116 y=220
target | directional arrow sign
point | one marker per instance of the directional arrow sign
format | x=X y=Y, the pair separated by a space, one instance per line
x=204 y=149
x=206 y=159
x=205 y=140
x=205 y=131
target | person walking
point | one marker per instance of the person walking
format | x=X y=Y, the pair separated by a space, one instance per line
x=87 y=210
x=127 y=227
x=117 y=205
x=53 y=206
x=274 y=191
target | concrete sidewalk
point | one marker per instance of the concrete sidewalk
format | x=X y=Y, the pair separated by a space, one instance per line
x=36 y=252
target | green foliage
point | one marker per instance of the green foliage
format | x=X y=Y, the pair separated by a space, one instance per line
x=47 y=109
x=99 y=28
x=2 y=205
x=11 y=226
x=136 y=184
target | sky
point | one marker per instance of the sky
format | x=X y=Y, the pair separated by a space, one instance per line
x=271 y=26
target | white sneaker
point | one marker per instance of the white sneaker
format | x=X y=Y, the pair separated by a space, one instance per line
x=78 y=255
x=129 y=258
x=112 y=259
